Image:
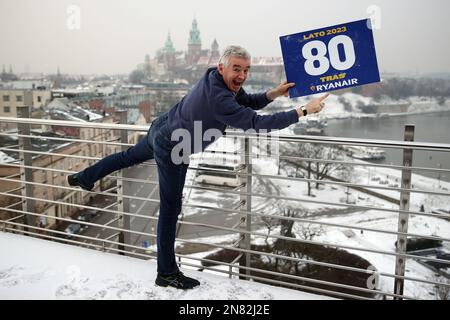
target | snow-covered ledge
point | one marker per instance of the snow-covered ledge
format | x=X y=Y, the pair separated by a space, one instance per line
x=31 y=268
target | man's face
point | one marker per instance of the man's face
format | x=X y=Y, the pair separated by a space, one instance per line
x=235 y=73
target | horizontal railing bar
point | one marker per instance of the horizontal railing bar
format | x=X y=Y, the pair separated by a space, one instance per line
x=66 y=139
x=365 y=164
x=351 y=163
x=255 y=214
x=45 y=153
x=75 y=235
x=80 y=124
x=81 y=190
x=346 y=184
x=234 y=133
x=65 y=155
x=69 y=204
x=112 y=177
x=397 y=144
x=324 y=202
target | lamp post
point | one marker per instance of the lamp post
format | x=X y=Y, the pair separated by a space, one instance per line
x=439 y=176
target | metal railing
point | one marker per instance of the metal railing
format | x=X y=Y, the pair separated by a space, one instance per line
x=272 y=237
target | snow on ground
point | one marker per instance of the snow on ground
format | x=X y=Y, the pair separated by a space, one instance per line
x=386 y=242
x=32 y=268
x=391 y=178
x=382 y=220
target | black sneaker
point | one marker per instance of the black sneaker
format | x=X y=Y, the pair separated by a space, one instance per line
x=74 y=182
x=179 y=281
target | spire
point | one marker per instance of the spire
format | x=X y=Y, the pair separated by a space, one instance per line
x=215 y=45
x=168 y=47
x=10 y=69
x=194 y=34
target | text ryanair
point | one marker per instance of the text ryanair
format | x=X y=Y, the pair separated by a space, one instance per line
x=336 y=85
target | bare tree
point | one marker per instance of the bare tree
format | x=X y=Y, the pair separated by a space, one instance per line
x=442 y=291
x=314 y=167
x=346 y=174
x=309 y=231
x=270 y=223
x=320 y=170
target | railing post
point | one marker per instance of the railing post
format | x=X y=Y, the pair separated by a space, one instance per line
x=246 y=204
x=26 y=174
x=123 y=204
x=403 y=217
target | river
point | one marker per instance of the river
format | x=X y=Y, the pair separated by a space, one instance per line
x=429 y=127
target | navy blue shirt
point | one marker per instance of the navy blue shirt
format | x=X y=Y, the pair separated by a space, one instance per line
x=211 y=102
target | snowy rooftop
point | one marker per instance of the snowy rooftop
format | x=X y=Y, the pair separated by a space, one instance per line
x=32 y=268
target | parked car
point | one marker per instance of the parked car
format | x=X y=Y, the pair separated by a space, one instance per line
x=87 y=215
x=73 y=228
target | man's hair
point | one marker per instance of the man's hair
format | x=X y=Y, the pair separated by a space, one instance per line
x=233 y=51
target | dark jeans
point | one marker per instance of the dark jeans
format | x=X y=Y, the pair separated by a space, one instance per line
x=155 y=145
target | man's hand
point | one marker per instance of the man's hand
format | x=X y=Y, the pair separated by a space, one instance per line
x=314 y=106
x=281 y=90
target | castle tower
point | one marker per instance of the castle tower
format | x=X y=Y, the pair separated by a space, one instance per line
x=194 y=44
x=215 y=49
x=169 y=52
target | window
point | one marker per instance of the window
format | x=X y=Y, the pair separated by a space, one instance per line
x=6 y=109
x=5 y=98
x=39 y=99
x=19 y=98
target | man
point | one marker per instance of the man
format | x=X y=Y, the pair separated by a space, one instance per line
x=217 y=100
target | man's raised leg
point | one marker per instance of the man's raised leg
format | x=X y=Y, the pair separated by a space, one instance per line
x=140 y=152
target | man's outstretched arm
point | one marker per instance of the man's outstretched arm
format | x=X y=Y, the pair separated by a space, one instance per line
x=260 y=100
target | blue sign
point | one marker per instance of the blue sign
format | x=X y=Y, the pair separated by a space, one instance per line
x=331 y=58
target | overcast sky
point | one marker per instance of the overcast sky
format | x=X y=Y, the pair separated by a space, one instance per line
x=113 y=36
